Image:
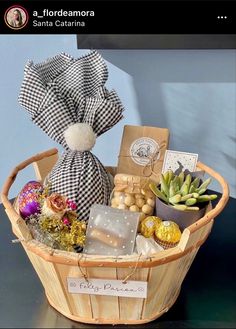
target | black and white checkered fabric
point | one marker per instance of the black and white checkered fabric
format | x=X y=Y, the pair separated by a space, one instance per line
x=63 y=91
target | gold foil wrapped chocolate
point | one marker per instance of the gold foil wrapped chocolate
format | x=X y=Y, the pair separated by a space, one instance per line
x=149 y=225
x=167 y=234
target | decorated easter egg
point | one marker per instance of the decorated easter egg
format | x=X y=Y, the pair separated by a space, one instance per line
x=29 y=199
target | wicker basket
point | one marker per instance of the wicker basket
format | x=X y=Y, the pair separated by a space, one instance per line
x=164 y=271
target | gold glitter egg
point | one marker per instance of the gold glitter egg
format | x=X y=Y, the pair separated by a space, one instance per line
x=149 y=225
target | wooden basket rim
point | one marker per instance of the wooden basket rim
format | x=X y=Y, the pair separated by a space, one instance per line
x=69 y=258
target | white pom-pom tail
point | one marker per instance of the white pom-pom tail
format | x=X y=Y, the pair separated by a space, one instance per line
x=80 y=137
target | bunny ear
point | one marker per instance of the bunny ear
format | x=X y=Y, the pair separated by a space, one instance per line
x=74 y=79
x=51 y=68
x=83 y=78
x=55 y=115
x=104 y=111
x=37 y=77
x=32 y=91
x=62 y=91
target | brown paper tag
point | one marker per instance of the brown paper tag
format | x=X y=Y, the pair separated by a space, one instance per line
x=142 y=151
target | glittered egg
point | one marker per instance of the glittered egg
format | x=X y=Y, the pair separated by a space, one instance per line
x=29 y=199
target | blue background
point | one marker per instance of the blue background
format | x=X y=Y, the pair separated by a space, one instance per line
x=191 y=92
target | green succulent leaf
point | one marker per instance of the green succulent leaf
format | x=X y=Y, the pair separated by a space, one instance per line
x=186 y=185
x=175 y=199
x=201 y=191
x=190 y=201
x=192 y=208
x=180 y=207
x=172 y=189
x=157 y=192
x=204 y=185
x=171 y=176
x=204 y=198
x=196 y=182
x=166 y=176
x=213 y=197
x=186 y=197
x=181 y=179
x=164 y=186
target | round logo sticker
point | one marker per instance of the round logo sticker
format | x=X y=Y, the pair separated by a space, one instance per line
x=144 y=149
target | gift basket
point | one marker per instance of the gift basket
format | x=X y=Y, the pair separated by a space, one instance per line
x=95 y=235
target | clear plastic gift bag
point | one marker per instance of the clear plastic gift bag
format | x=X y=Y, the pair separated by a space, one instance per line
x=147 y=246
x=111 y=231
x=133 y=193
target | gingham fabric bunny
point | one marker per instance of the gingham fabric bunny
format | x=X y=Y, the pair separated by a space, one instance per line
x=67 y=99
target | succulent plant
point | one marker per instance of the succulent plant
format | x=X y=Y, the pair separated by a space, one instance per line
x=182 y=191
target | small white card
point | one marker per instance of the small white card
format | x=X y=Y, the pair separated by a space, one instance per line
x=179 y=161
x=131 y=289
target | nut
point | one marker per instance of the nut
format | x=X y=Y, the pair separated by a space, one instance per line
x=140 y=202
x=129 y=200
x=122 y=206
x=114 y=203
x=147 y=209
x=117 y=194
x=151 y=202
x=134 y=208
x=138 y=196
x=142 y=216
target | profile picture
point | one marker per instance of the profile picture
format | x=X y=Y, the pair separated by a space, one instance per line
x=16 y=17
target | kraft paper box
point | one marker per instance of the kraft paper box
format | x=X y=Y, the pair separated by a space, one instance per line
x=142 y=151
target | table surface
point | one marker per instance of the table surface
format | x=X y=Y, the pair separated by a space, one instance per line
x=207 y=298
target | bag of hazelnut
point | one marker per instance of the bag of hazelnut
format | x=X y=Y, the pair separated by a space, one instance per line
x=133 y=193
x=142 y=151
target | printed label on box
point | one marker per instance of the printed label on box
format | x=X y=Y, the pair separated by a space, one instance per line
x=131 y=289
x=143 y=150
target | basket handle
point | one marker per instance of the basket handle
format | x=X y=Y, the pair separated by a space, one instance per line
x=220 y=204
x=11 y=178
